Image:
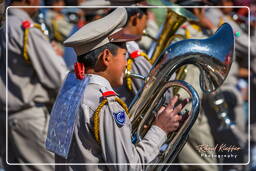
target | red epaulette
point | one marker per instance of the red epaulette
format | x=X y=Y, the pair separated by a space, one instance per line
x=108 y=94
x=184 y=26
x=26 y=24
x=135 y=54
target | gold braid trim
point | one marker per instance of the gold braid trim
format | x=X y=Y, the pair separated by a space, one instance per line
x=144 y=55
x=38 y=26
x=221 y=21
x=25 y=47
x=96 y=120
x=96 y=116
x=25 y=41
x=196 y=27
x=56 y=33
x=123 y=104
x=129 y=79
x=129 y=68
x=187 y=33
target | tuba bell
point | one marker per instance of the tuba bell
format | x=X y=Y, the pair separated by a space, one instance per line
x=213 y=56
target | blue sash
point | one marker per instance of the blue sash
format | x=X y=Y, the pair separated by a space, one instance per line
x=64 y=114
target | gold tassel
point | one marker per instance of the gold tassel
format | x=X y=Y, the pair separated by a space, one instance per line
x=25 y=47
x=25 y=41
x=144 y=55
x=96 y=120
x=187 y=33
x=129 y=68
x=56 y=33
x=123 y=104
x=221 y=21
x=129 y=79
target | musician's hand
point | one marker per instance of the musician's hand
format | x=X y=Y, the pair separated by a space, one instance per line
x=168 y=117
x=203 y=20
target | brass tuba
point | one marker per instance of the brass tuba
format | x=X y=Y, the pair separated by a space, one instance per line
x=213 y=56
x=174 y=19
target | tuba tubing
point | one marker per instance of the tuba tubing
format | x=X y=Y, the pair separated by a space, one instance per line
x=213 y=56
x=174 y=19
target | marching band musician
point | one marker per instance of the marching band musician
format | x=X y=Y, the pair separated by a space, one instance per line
x=137 y=60
x=102 y=130
x=34 y=75
x=253 y=87
x=58 y=25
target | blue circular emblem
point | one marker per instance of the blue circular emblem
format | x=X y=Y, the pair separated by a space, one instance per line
x=120 y=118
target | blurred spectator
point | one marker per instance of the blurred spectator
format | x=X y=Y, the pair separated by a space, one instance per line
x=151 y=31
x=137 y=61
x=219 y=16
x=253 y=86
x=110 y=2
x=58 y=24
x=160 y=13
x=73 y=2
x=2 y=8
x=86 y=15
x=239 y=103
x=2 y=129
x=34 y=73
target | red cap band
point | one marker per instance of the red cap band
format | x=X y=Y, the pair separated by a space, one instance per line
x=79 y=70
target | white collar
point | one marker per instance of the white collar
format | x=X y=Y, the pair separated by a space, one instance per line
x=97 y=79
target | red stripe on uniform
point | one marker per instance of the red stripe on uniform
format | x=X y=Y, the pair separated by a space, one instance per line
x=135 y=54
x=108 y=93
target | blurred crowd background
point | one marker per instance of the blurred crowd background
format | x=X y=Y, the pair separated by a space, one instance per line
x=60 y=21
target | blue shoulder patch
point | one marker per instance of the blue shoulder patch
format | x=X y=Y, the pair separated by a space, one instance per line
x=119 y=118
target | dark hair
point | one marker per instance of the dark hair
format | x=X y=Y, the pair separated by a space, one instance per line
x=134 y=11
x=50 y=2
x=9 y=2
x=71 y=2
x=89 y=59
